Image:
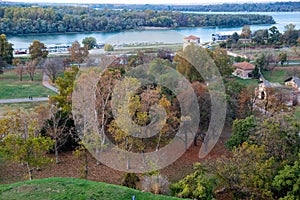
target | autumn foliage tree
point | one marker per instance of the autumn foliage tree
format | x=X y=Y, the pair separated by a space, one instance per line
x=78 y=53
x=22 y=142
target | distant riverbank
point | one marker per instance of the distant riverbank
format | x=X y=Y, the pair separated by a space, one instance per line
x=151 y=34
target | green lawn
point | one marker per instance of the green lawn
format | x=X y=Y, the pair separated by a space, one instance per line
x=11 y=87
x=71 y=188
x=245 y=82
x=276 y=76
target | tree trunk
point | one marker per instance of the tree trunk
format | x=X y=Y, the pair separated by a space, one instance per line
x=85 y=164
x=97 y=156
x=128 y=162
x=56 y=153
x=29 y=170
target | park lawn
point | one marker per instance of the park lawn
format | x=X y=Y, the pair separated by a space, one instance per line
x=12 y=88
x=276 y=76
x=71 y=188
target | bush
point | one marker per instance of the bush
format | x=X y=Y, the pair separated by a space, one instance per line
x=130 y=180
x=156 y=184
x=198 y=185
x=108 y=47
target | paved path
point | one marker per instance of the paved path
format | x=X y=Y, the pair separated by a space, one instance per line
x=23 y=100
x=47 y=85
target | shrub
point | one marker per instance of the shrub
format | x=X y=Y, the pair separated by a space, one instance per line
x=198 y=185
x=156 y=184
x=130 y=180
x=108 y=47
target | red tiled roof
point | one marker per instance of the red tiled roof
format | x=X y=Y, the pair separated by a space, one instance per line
x=244 y=65
x=192 y=37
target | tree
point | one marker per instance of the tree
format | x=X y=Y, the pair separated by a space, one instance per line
x=78 y=53
x=275 y=35
x=6 y=49
x=279 y=136
x=261 y=36
x=65 y=87
x=2 y=64
x=57 y=129
x=247 y=100
x=287 y=181
x=222 y=61
x=241 y=130
x=282 y=57
x=246 y=32
x=38 y=50
x=248 y=172
x=31 y=67
x=290 y=34
x=90 y=42
x=22 y=141
x=108 y=47
x=260 y=61
x=235 y=37
x=52 y=66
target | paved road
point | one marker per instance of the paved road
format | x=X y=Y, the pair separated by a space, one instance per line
x=24 y=100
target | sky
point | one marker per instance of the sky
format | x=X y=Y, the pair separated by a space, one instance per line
x=149 y=1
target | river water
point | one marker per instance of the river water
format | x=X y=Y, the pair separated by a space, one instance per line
x=169 y=36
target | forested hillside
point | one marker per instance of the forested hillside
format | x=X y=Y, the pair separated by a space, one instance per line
x=28 y=20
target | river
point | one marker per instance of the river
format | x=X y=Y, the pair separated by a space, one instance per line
x=169 y=36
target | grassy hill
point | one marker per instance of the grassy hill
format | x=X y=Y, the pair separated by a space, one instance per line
x=71 y=188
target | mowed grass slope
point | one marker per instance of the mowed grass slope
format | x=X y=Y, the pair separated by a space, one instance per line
x=71 y=188
x=12 y=88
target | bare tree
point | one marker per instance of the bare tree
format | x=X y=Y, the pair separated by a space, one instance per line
x=57 y=128
x=31 y=67
x=52 y=66
x=20 y=71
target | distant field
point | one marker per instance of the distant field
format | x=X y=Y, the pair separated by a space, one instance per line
x=12 y=88
x=71 y=188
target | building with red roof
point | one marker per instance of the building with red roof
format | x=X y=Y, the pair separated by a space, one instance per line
x=191 y=39
x=243 y=70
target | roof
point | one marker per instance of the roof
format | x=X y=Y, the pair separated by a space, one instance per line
x=244 y=65
x=192 y=37
x=296 y=80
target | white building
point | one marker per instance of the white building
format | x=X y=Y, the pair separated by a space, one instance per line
x=191 y=39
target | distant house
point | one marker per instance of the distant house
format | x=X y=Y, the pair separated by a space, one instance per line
x=191 y=39
x=294 y=82
x=223 y=36
x=243 y=70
